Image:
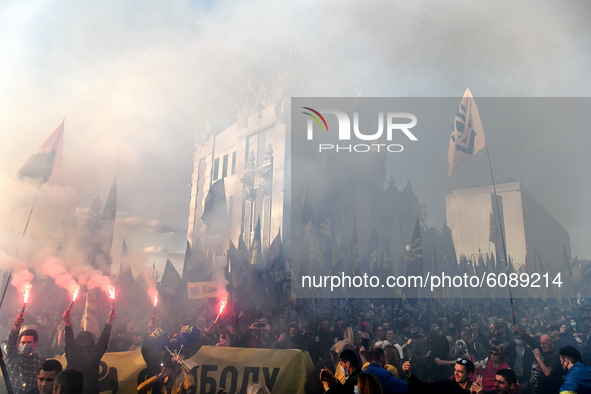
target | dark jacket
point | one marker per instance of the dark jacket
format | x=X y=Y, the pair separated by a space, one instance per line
x=528 y=359
x=297 y=342
x=87 y=359
x=547 y=384
x=348 y=387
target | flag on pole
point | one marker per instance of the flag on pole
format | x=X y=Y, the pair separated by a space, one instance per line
x=371 y=257
x=103 y=237
x=566 y=263
x=125 y=273
x=276 y=262
x=326 y=223
x=189 y=263
x=215 y=217
x=255 y=281
x=256 y=259
x=539 y=268
x=354 y=268
x=48 y=156
x=467 y=135
x=414 y=267
x=243 y=250
x=387 y=267
x=495 y=235
x=238 y=266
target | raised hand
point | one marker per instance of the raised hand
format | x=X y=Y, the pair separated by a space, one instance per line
x=112 y=316
x=18 y=322
x=406 y=368
x=67 y=317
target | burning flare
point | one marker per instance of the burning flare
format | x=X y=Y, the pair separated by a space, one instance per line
x=221 y=310
x=112 y=296
x=26 y=294
x=155 y=300
x=26 y=289
x=74 y=296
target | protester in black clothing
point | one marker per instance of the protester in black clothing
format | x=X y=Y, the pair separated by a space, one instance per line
x=153 y=353
x=312 y=343
x=548 y=376
x=478 y=348
x=438 y=363
x=463 y=371
x=349 y=366
x=325 y=336
x=520 y=358
x=82 y=353
x=560 y=339
x=291 y=340
x=313 y=384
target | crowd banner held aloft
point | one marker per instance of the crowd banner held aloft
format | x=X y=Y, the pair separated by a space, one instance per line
x=282 y=371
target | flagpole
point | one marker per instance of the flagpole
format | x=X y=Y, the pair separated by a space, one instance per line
x=502 y=232
x=20 y=243
x=5 y=374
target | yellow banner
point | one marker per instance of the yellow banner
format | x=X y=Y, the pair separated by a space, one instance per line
x=118 y=372
x=197 y=290
x=282 y=371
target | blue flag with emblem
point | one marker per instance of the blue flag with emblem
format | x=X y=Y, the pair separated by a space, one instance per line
x=467 y=135
x=370 y=262
x=414 y=266
x=277 y=261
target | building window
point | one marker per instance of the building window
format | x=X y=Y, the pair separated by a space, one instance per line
x=225 y=166
x=216 y=168
x=233 y=163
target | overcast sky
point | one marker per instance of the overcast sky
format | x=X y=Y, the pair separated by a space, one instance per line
x=136 y=82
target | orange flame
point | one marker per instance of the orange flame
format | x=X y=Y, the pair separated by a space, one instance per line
x=155 y=300
x=222 y=307
x=112 y=293
x=26 y=294
x=75 y=295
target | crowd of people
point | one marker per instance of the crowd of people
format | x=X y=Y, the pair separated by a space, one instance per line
x=365 y=346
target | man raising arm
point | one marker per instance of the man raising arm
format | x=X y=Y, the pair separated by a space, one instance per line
x=22 y=361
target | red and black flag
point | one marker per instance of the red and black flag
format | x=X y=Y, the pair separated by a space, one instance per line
x=48 y=156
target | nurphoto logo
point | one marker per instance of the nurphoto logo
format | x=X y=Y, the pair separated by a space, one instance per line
x=397 y=123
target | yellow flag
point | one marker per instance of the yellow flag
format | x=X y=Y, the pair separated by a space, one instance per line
x=467 y=135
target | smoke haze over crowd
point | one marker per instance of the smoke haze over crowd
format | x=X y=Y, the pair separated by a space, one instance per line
x=138 y=83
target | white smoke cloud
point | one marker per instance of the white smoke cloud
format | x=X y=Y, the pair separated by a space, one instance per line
x=136 y=82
